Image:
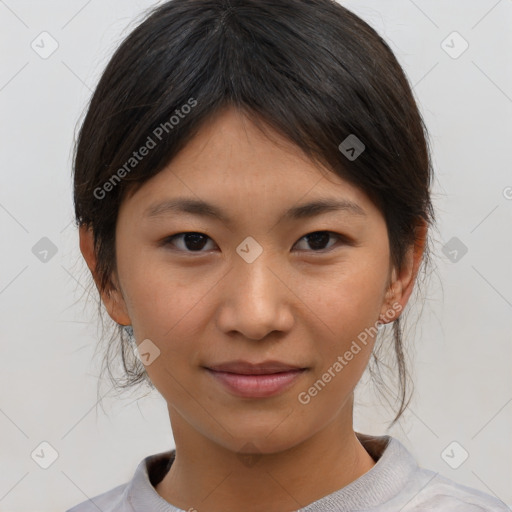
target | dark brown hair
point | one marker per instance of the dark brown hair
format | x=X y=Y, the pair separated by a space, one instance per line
x=310 y=69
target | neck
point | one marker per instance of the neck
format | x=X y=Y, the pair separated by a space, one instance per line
x=208 y=476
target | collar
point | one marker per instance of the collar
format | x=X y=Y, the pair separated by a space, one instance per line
x=394 y=465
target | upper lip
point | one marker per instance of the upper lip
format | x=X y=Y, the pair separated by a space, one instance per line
x=246 y=368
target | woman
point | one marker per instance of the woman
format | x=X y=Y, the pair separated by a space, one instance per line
x=252 y=187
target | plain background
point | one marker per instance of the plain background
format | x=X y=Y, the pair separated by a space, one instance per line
x=461 y=347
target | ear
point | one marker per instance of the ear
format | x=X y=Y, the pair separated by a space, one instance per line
x=402 y=284
x=112 y=298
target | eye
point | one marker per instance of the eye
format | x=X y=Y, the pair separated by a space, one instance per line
x=195 y=242
x=318 y=239
x=190 y=241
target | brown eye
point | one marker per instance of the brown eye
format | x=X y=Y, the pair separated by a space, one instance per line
x=319 y=240
x=188 y=242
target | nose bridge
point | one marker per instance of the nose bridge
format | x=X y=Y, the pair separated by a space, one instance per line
x=257 y=300
x=253 y=270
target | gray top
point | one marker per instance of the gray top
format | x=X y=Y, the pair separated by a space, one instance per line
x=395 y=483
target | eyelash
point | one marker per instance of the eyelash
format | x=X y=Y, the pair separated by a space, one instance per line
x=169 y=240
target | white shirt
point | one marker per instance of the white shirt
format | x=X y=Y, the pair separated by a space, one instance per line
x=395 y=483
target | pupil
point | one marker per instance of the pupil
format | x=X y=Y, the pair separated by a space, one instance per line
x=195 y=238
x=314 y=238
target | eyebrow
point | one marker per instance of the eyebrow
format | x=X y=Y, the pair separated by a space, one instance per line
x=204 y=209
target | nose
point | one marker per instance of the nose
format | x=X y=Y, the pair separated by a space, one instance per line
x=256 y=299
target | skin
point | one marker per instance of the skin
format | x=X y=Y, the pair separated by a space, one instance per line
x=296 y=302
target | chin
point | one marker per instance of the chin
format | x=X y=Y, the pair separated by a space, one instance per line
x=265 y=438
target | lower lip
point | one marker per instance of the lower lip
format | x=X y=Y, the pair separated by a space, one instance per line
x=256 y=386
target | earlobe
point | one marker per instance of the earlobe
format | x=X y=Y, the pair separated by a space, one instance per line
x=112 y=299
x=116 y=307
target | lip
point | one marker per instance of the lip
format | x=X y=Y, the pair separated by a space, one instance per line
x=256 y=380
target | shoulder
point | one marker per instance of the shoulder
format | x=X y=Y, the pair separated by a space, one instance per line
x=110 y=501
x=135 y=494
x=441 y=493
x=412 y=488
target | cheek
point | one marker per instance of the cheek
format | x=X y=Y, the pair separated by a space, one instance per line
x=350 y=300
x=171 y=307
x=165 y=308
x=170 y=314
x=348 y=307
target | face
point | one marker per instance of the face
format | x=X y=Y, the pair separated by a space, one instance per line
x=267 y=279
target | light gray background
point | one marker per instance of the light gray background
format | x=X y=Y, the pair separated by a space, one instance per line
x=462 y=346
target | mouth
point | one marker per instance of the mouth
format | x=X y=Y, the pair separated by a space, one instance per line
x=258 y=380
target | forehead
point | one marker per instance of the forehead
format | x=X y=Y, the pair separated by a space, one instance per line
x=231 y=162
x=231 y=143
